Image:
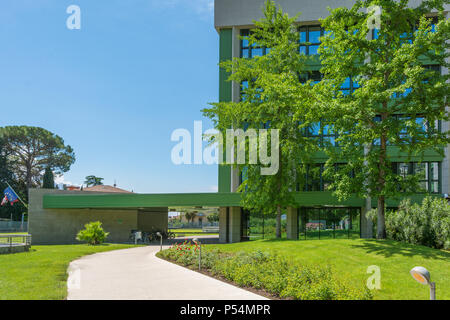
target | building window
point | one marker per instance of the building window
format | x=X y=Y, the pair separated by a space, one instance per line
x=315 y=76
x=349 y=86
x=323 y=133
x=251 y=51
x=428 y=174
x=310 y=39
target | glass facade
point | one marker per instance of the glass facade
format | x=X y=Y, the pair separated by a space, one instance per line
x=257 y=226
x=328 y=223
x=428 y=173
x=309 y=39
x=248 y=50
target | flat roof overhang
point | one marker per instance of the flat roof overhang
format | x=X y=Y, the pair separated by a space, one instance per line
x=143 y=201
x=138 y=201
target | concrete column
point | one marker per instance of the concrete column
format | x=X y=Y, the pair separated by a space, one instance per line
x=235 y=225
x=366 y=224
x=223 y=228
x=291 y=223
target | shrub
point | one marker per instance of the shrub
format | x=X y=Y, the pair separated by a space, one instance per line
x=287 y=279
x=427 y=224
x=93 y=233
x=273 y=273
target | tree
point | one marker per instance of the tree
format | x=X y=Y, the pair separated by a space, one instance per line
x=396 y=102
x=93 y=181
x=190 y=216
x=7 y=177
x=29 y=150
x=213 y=217
x=272 y=96
x=48 y=180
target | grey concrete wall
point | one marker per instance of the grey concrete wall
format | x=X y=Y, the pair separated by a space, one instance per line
x=235 y=224
x=60 y=226
x=153 y=219
x=241 y=13
x=223 y=224
x=291 y=223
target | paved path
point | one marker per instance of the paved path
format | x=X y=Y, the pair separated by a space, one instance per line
x=138 y=275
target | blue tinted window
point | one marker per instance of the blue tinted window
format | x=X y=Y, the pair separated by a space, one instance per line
x=257 y=52
x=309 y=38
x=314 y=36
x=303 y=36
x=313 y=49
x=375 y=33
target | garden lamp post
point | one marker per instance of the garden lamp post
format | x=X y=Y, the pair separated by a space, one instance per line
x=160 y=237
x=422 y=275
x=200 y=253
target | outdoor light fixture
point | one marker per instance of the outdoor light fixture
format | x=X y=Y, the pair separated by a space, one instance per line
x=422 y=275
x=160 y=237
x=200 y=253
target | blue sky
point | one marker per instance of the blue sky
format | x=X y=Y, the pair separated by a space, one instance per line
x=116 y=89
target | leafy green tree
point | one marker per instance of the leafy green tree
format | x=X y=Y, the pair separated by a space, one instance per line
x=397 y=101
x=190 y=216
x=93 y=181
x=48 y=180
x=7 y=177
x=29 y=150
x=213 y=217
x=272 y=97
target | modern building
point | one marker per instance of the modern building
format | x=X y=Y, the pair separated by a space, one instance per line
x=56 y=216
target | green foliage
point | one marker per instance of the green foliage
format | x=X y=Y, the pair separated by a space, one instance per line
x=427 y=224
x=213 y=217
x=30 y=150
x=48 y=180
x=93 y=233
x=392 y=81
x=272 y=273
x=190 y=216
x=7 y=176
x=93 y=181
x=274 y=94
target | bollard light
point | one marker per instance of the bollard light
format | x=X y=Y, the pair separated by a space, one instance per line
x=200 y=253
x=422 y=275
x=160 y=238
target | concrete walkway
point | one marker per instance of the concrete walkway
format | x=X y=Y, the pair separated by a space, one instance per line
x=136 y=274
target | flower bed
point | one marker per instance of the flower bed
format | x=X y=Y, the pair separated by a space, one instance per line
x=274 y=274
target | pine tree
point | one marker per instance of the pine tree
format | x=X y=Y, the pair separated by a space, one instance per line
x=48 y=180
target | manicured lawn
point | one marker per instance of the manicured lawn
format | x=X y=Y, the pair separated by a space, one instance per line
x=41 y=273
x=352 y=257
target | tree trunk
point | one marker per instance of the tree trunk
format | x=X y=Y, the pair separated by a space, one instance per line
x=381 y=225
x=278 y=232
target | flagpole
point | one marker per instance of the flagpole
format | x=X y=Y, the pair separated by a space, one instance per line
x=26 y=206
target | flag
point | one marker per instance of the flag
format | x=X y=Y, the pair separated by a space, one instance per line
x=4 y=201
x=10 y=196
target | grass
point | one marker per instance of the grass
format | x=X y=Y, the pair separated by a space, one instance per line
x=351 y=258
x=42 y=272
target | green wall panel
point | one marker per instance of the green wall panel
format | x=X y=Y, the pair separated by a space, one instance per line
x=225 y=95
